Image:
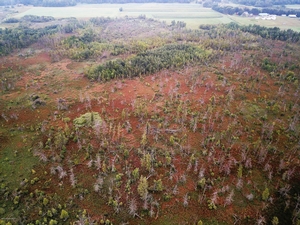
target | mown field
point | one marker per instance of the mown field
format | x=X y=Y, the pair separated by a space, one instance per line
x=192 y=14
x=112 y=10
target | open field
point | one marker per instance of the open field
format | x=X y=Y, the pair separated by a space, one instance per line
x=281 y=22
x=293 y=6
x=151 y=10
x=192 y=14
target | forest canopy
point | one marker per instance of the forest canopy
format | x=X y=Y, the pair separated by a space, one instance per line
x=255 y=11
x=21 y=37
x=151 y=61
x=267 y=3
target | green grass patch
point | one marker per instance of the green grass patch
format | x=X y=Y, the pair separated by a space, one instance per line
x=186 y=15
x=252 y=110
x=16 y=159
x=213 y=222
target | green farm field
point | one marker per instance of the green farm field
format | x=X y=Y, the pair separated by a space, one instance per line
x=192 y=14
x=112 y=10
x=281 y=22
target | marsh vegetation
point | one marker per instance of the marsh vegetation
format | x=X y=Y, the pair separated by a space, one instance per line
x=133 y=120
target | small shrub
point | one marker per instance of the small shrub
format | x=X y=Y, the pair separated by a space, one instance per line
x=2 y=211
x=211 y=205
x=16 y=200
x=275 y=220
x=52 y=222
x=201 y=183
x=265 y=194
x=240 y=171
x=88 y=119
x=45 y=201
x=143 y=187
x=64 y=215
x=158 y=186
x=135 y=173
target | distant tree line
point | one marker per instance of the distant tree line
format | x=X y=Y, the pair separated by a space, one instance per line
x=45 y=3
x=280 y=11
x=267 y=3
x=207 y=3
x=271 y=33
x=150 y=61
x=30 y=18
x=255 y=11
x=210 y=3
x=64 y=3
x=178 y=24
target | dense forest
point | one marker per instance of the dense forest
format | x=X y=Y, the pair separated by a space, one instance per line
x=21 y=37
x=149 y=62
x=255 y=11
x=266 y=3
x=273 y=33
x=57 y=3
